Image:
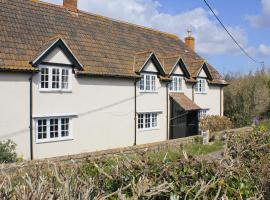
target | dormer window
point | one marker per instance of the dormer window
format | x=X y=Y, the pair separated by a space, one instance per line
x=55 y=78
x=177 y=84
x=148 y=83
x=200 y=86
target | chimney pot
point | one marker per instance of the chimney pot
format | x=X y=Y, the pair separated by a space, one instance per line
x=190 y=40
x=71 y=4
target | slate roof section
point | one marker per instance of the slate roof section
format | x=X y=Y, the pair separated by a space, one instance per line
x=102 y=45
x=184 y=102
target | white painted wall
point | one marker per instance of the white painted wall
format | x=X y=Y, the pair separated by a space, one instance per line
x=152 y=102
x=14 y=106
x=57 y=56
x=177 y=70
x=150 y=67
x=105 y=109
x=202 y=74
x=187 y=87
x=209 y=100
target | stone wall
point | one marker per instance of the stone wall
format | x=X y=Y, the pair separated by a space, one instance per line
x=152 y=147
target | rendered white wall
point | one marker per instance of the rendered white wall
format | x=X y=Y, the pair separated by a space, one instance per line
x=14 y=106
x=151 y=102
x=187 y=88
x=105 y=109
x=57 y=56
x=209 y=100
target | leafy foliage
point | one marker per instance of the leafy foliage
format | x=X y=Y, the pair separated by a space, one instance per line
x=247 y=96
x=243 y=173
x=215 y=123
x=7 y=152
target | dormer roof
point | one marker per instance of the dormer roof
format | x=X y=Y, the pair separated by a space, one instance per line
x=141 y=59
x=49 y=46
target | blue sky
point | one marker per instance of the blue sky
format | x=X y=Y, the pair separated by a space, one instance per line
x=248 y=21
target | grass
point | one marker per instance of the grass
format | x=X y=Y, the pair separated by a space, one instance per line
x=203 y=149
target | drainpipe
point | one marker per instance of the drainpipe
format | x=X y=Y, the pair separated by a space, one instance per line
x=31 y=115
x=221 y=101
x=167 y=104
x=135 y=112
x=193 y=92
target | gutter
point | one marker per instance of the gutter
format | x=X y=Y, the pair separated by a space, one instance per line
x=31 y=115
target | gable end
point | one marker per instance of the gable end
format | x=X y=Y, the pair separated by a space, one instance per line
x=62 y=46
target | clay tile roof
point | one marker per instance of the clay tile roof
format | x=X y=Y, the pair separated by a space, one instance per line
x=140 y=59
x=102 y=45
x=169 y=62
x=184 y=102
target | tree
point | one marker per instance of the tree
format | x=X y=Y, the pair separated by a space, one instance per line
x=247 y=96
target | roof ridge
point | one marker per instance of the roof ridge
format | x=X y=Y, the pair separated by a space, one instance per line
x=174 y=36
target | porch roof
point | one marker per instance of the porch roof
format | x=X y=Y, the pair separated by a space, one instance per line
x=184 y=101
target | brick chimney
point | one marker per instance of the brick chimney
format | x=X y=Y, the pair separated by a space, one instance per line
x=190 y=40
x=71 y=4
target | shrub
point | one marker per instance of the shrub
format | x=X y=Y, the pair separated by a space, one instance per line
x=242 y=173
x=247 y=96
x=215 y=123
x=264 y=126
x=7 y=152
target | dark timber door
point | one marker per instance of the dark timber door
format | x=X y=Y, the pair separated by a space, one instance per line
x=183 y=123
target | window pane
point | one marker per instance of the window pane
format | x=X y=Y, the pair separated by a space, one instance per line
x=53 y=128
x=180 y=84
x=175 y=83
x=140 y=121
x=42 y=129
x=44 y=78
x=154 y=120
x=142 y=82
x=147 y=82
x=153 y=83
x=65 y=75
x=65 y=127
x=202 y=85
x=147 y=120
x=55 y=78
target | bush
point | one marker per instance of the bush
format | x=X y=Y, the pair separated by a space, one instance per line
x=242 y=173
x=7 y=152
x=215 y=123
x=247 y=96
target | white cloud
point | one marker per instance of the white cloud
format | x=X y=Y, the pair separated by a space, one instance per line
x=263 y=19
x=210 y=37
x=262 y=51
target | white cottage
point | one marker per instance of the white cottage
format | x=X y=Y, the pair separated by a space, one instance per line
x=74 y=82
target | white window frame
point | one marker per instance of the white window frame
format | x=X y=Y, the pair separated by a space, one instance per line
x=54 y=139
x=50 y=88
x=141 y=122
x=203 y=113
x=200 y=86
x=148 y=83
x=176 y=85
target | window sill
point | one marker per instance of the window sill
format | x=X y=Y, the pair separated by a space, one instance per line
x=145 y=91
x=55 y=91
x=200 y=92
x=54 y=140
x=148 y=129
x=176 y=91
